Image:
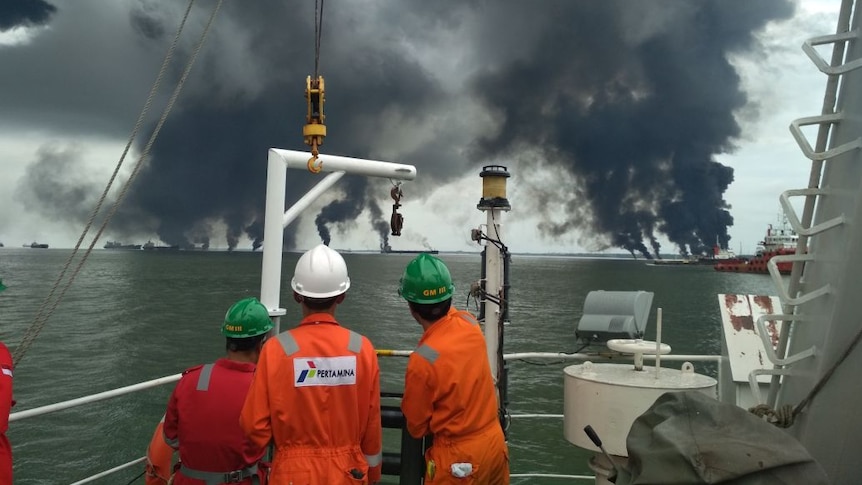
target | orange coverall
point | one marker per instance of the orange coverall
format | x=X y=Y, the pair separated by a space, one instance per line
x=6 y=403
x=316 y=396
x=159 y=464
x=449 y=393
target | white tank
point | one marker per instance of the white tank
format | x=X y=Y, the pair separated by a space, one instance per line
x=609 y=397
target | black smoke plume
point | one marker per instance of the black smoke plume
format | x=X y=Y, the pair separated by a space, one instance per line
x=24 y=13
x=634 y=100
x=629 y=101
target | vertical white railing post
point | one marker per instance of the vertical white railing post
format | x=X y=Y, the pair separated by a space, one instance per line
x=273 y=235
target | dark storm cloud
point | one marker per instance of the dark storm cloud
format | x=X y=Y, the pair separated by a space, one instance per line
x=632 y=99
x=24 y=13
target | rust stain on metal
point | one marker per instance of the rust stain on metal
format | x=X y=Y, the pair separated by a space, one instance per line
x=772 y=328
x=739 y=322
x=765 y=303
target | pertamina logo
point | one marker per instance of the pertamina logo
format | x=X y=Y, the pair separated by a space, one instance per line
x=325 y=371
x=307 y=372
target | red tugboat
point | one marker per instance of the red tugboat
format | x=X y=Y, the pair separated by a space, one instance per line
x=778 y=242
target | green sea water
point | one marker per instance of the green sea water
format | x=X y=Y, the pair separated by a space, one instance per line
x=132 y=316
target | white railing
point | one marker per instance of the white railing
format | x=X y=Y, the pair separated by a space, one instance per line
x=121 y=391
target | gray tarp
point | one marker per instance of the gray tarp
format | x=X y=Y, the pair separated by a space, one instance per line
x=690 y=438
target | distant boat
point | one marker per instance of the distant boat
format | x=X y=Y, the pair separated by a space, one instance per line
x=119 y=245
x=778 y=242
x=151 y=246
x=1 y=245
x=719 y=256
x=36 y=245
x=397 y=251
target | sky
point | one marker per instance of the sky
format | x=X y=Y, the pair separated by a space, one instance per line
x=626 y=126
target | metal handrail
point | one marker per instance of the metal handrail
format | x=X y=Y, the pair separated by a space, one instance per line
x=101 y=396
x=121 y=391
x=793 y=219
x=110 y=471
x=825 y=67
x=783 y=292
x=825 y=119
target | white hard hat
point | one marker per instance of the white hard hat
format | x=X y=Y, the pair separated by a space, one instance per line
x=320 y=273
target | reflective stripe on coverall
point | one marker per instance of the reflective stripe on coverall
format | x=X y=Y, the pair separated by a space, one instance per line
x=202 y=421
x=316 y=396
x=159 y=464
x=449 y=393
x=6 y=403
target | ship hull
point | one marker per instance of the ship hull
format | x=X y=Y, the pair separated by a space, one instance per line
x=758 y=264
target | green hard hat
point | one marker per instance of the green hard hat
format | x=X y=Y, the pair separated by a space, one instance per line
x=246 y=318
x=426 y=280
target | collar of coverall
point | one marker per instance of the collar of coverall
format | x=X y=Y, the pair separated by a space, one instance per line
x=435 y=327
x=317 y=318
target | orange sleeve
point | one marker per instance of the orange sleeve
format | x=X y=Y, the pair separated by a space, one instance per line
x=159 y=459
x=418 y=401
x=372 y=439
x=255 y=416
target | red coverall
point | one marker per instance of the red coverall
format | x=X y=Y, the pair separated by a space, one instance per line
x=202 y=421
x=449 y=393
x=6 y=403
x=316 y=396
x=159 y=465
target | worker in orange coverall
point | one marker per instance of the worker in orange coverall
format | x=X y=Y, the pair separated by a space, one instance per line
x=160 y=456
x=448 y=389
x=202 y=420
x=6 y=403
x=316 y=392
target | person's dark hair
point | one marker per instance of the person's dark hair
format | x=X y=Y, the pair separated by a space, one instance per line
x=431 y=311
x=243 y=344
x=319 y=304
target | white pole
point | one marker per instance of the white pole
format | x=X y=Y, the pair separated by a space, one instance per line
x=494 y=287
x=273 y=234
x=658 y=342
x=309 y=197
x=334 y=163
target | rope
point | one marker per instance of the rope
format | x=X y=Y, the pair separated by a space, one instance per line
x=136 y=478
x=318 y=34
x=42 y=317
x=822 y=382
x=785 y=416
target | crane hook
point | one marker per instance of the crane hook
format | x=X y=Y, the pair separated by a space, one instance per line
x=314 y=130
x=397 y=220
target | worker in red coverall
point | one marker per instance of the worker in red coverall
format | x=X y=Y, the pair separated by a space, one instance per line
x=160 y=457
x=316 y=392
x=448 y=388
x=202 y=420
x=6 y=403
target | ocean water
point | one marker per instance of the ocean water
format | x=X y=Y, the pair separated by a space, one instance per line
x=132 y=316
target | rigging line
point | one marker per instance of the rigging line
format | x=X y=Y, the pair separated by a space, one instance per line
x=37 y=326
x=136 y=478
x=318 y=34
x=823 y=380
